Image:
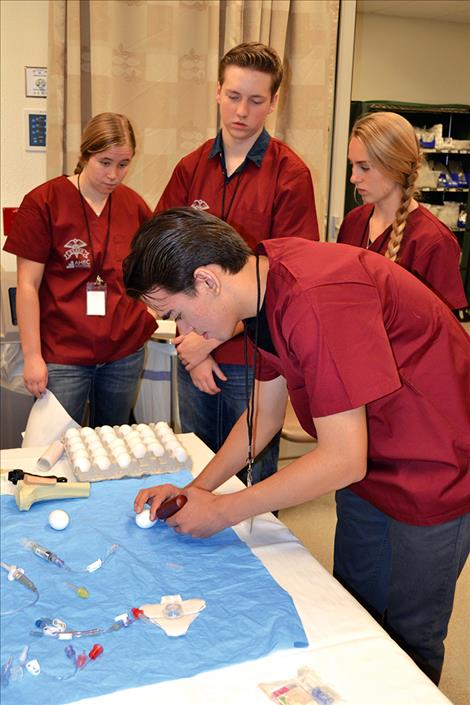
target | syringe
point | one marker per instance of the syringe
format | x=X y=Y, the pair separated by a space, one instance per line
x=43 y=552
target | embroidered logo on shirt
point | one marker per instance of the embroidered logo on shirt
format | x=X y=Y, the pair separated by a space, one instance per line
x=76 y=255
x=200 y=205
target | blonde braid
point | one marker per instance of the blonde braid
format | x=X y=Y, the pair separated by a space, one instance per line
x=393 y=148
x=399 y=224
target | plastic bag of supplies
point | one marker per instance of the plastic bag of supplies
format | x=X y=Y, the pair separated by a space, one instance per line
x=11 y=368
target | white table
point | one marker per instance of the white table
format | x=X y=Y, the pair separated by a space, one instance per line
x=348 y=649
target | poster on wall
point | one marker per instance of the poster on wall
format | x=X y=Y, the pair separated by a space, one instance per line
x=36 y=130
x=36 y=81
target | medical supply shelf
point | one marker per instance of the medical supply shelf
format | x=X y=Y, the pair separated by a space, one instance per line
x=455 y=120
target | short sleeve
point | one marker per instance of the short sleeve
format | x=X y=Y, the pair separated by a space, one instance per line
x=294 y=212
x=337 y=344
x=176 y=190
x=31 y=235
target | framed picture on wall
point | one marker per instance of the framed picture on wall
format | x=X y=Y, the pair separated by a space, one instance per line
x=36 y=81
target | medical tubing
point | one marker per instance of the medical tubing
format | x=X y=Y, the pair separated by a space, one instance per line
x=17 y=574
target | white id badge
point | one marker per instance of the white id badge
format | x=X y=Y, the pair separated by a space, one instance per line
x=95 y=299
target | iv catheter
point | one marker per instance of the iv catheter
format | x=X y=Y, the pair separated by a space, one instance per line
x=58 y=629
x=18 y=574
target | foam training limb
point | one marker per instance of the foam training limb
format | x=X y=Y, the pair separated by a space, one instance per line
x=27 y=494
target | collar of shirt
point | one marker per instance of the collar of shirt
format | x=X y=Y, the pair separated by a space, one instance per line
x=255 y=154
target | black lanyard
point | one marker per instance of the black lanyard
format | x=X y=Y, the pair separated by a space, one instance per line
x=96 y=267
x=224 y=215
x=250 y=397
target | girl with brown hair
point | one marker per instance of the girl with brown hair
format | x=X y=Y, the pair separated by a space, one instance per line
x=82 y=337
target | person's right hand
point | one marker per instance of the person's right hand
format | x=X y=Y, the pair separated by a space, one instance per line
x=193 y=349
x=203 y=376
x=35 y=375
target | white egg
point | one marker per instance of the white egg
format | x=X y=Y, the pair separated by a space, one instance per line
x=106 y=429
x=58 y=519
x=138 y=449
x=87 y=431
x=147 y=433
x=95 y=443
x=71 y=433
x=156 y=448
x=107 y=440
x=75 y=443
x=125 y=429
x=171 y=444
x=143 y=519
x=124 y=460
x=79 y=453
x=180 y=454
x=162 y=425
x=102 y=462
x=117 y=443
x=167 y=434
x=131 y=435
x=81 y=463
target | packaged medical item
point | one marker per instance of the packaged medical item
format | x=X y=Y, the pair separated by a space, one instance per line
x=307 y=688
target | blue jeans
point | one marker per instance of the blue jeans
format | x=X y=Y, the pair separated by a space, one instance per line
x=111 y=389
x=211 y=417
x=402 y=573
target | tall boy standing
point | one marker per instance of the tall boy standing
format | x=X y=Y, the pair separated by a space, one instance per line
x=262 y=188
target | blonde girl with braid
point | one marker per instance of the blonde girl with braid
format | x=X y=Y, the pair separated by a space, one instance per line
x=385 y=158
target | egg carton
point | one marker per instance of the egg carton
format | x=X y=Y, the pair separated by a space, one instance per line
x=111 y=452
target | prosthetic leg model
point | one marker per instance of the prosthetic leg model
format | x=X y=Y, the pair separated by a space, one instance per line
x=35 y=488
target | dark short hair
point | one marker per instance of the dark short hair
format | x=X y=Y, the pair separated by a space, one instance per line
x=256 y=56
x=167 y=249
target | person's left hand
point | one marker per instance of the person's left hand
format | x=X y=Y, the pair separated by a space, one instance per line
x=154 y=496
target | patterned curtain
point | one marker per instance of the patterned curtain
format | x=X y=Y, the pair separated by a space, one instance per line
x=156 y=61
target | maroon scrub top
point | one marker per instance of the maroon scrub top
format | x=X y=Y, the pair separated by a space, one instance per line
x=351 y=328
x=429 y=250
x=50 y=228
x=271 y=197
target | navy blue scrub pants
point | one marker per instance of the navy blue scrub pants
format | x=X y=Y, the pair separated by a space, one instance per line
x=404 y=575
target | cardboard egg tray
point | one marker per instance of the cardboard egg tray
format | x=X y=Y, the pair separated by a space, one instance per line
x=112 y=452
